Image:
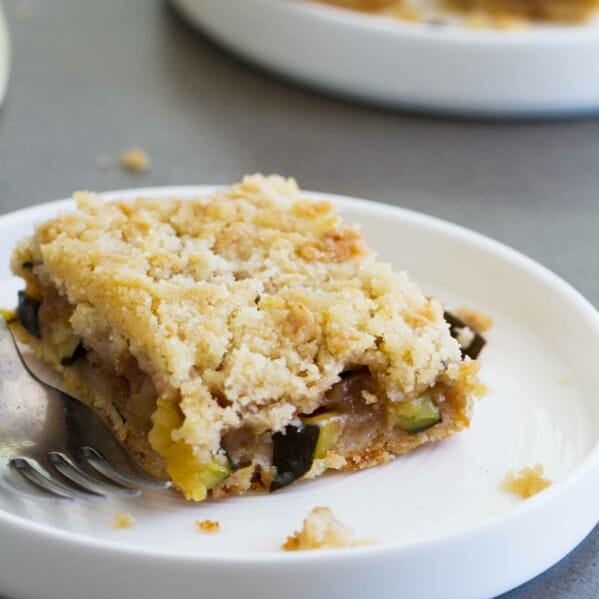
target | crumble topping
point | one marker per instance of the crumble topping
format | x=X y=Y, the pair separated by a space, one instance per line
x=123 y=521
x=321 y=530
x=368 y=396
x=527 y=482
x=208 y=526
x=212 y=298
x=135 y=160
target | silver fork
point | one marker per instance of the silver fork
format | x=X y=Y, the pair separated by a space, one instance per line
x=52 y=445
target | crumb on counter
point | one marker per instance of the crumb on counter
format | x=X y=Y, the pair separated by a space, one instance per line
x=123 y=521
x=208 y=526
x=477 y=321
x=135 y=160
x=8 y=315
x=321 y=530
x=527 y=482
x=104 y=162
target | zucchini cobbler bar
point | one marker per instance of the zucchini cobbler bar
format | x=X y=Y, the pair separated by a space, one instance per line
x=242 y=340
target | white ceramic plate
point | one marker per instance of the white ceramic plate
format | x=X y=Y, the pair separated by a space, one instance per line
x=445 y=528
x=537 y=71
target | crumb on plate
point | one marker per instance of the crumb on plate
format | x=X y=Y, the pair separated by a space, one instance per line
x=122 y=521
x=208 y=526
x=321 y=530
x=135 y=160
x=477 y=321
x=527 y=482
x=564 y=381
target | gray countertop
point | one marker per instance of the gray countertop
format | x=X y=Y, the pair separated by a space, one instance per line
x=92 y=78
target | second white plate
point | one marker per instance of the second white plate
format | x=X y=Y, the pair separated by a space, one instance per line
x=540 y=71
x=445 y=528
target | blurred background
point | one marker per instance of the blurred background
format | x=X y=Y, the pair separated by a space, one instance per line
x=91 y=79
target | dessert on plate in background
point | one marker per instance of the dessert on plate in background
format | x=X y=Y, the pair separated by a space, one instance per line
x=479 y=13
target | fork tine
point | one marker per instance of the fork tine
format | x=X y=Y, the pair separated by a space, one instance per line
x=67 y=467
x=34 y=492
x=32 y=472
x=95 y=459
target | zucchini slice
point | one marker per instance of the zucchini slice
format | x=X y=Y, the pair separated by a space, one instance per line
x=330 y=425
x=293 y=453
x=73 y=350
x=239 y=446
x=215 y=473
x=28 y=314
x=473 y=349
x=192 y=478
x=414 y=416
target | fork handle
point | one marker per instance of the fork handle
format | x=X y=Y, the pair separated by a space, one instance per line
x=11 y=364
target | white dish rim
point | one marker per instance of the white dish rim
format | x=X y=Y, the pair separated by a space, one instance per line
x=589 y=465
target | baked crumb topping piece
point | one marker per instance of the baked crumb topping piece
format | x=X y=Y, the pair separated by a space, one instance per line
x=208 y=526
x=527 y=482
x=321 y=530
x=241 y=340
x=135 y=160
x=123 y=521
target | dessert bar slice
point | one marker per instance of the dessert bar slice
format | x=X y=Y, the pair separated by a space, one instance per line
x=242 y=340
